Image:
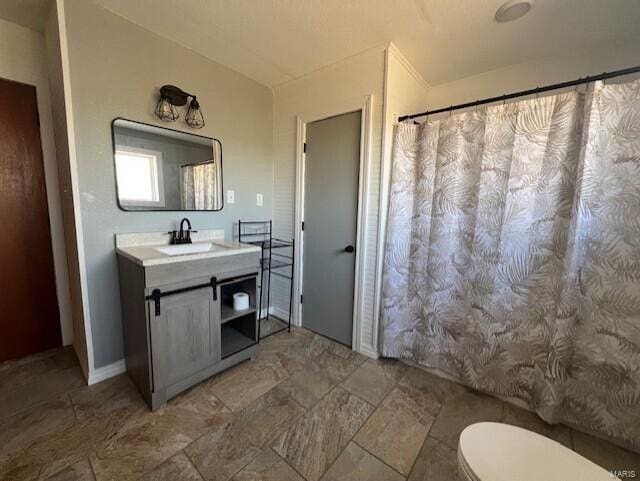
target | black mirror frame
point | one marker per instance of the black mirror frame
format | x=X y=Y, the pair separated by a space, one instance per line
x=115 y=177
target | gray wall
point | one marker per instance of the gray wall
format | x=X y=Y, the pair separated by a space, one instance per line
x=116 y=69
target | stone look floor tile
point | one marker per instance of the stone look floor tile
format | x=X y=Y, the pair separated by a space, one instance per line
x=268 y=466
x=21 y=429
x=269 y=326
x=461 y=411
x=316 y=440
x=194 y=412
x=225 y=450
x=531 y=421
x=308 y=386
x=355 y=464
x=607 y=455
x=436 y=462
x=372 y=381
x=177 y=468
x=150 y=438
x=42 y=438
x=337 y=368
x=102 y=399
x=25 y=384
x=441 y=389
x=80 y=471
x=294 y=345
x=139 y=447
x=221 y=453
x=48 y=455
x=340 y=350
x=240 y=386
x=267 y=418
x=396 y=430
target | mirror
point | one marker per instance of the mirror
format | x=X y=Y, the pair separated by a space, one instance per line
x=165 y=169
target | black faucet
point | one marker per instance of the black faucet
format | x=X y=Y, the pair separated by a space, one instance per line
x=182 y=236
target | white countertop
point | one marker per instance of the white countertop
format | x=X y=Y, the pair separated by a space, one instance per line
x=148 y=255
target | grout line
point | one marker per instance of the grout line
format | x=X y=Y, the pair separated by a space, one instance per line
x=571 y=440
x=235 y=414
x=288 y=464
x=73 y=406
x=357 y=396
x=93 y=471
x=223 y=403
x=334 y=387
x=435 y=417
x=186 y=455
x=384 y=462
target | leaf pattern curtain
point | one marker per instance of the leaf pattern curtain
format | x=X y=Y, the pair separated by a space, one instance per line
x=200 y=186
x=512 y=259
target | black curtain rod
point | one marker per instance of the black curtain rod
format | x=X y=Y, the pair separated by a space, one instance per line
x=523 y=93
x=193 y=164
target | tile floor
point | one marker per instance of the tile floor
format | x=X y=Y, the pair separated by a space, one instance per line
x=304 y=409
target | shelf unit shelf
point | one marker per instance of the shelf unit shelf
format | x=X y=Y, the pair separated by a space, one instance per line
x=228 y=313
x=276 y=259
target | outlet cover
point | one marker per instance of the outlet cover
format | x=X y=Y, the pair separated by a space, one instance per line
x=231 y=196
x=259 y=199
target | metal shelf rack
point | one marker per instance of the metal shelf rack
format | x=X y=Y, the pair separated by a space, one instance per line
x=277 y=259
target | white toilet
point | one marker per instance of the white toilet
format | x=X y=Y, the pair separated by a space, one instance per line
x=501 y=452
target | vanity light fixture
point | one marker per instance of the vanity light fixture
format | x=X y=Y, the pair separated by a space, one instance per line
x=194 y=117
x=172 y=97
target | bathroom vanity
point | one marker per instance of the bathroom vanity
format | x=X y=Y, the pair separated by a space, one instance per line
x=178 y=319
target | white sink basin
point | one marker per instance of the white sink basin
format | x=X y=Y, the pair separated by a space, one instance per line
x=181 y=249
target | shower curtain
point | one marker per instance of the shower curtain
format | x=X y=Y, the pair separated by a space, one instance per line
x=512 y=259
x=200 y=186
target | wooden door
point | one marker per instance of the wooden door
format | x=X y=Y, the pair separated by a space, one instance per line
x=29 y=316
x=185 y=336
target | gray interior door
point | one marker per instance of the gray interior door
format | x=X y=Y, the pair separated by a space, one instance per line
x=332 y=165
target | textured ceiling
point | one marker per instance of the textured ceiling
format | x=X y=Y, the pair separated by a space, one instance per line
x=273 y=41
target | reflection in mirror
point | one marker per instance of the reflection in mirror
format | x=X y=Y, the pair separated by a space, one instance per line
x=164 y=169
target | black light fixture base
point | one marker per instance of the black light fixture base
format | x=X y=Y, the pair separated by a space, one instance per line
x=175 y=95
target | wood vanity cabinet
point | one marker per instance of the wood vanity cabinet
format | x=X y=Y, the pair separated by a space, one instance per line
x=178 y=322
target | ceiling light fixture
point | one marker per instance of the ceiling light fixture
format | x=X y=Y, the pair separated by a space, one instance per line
x=512 y=10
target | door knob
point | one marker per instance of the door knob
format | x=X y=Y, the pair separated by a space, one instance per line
x=349 y=249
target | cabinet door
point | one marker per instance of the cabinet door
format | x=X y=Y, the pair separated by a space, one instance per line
x=185 y=337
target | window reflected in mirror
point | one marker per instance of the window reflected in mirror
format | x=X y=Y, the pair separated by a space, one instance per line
x=164 y=169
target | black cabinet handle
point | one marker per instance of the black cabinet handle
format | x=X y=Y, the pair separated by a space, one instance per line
x=349 y=249
x=214 y=285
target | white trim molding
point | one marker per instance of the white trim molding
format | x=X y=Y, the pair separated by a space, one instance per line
x=75 y=189
x=393 y=50
x=279 y=313
x=23 y=60
x=105 y=372
x=365 y=106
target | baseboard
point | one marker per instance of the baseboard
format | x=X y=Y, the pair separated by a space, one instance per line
x=105 y=372
x=279 y=313
x=368 y=352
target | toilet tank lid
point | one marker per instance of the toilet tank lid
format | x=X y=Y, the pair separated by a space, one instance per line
x=501 y=452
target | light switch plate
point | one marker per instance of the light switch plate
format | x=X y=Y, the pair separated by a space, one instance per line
x=259 y=199
x=231 y=196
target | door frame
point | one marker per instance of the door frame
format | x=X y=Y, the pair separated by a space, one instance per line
x=365 y=107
